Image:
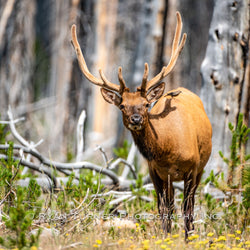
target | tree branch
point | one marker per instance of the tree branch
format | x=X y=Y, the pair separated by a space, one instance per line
x=61 y=166
x=17 y=135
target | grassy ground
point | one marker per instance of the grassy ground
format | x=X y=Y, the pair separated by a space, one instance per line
x=143 y=235
x=78 y=218
x=218 y=225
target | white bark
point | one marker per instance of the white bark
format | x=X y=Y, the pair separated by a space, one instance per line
x=223 y=74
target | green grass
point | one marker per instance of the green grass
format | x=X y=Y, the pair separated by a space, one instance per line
x=88 y=228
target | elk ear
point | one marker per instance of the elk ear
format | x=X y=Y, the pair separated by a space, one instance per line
x=155 y=93
x=110 y=97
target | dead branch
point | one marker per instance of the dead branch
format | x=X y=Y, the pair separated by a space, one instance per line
x=13 y=121
x=104 y=155
x=80 y=135
x=58 y=165
x=17 y=136
x=126 y=195
x=123 y=184
x=126 y=163
x=130 y=159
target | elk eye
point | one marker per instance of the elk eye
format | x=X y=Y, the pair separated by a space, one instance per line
x=121 y=106
x=147 y=105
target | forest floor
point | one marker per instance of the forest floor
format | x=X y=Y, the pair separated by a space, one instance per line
x=147 y=234
x=134 y=225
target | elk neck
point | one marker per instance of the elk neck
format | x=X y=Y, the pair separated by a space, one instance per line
x=145 y=139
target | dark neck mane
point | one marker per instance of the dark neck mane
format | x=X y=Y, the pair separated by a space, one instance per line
x=144 y=141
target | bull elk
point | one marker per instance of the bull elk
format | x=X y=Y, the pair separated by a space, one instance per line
x=174 y=136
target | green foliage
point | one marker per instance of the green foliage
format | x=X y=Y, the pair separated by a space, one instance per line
x=217 y=180
x=233 y=213
x=246 y=176
x=123 y=151
x=210 y=203
x=211 y=177
x=8 y=167
x=3 y=133
x=238 y=160
x=9 y=173
x=90 y=181
x=138 y=190
x=246 y=192
x=73 y=193
x=237 y=154
x=20 y=204
x=26 y=207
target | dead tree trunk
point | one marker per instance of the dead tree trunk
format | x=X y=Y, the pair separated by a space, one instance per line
x=60 y=74
x=17 y=35
x=225 y=85
x=105 y=13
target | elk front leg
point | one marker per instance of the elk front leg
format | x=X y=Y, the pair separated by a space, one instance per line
x=165 y=199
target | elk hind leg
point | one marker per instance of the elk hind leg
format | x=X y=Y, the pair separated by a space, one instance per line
x=190 y=187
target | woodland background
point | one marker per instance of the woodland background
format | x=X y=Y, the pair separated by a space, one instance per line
x=40 y=78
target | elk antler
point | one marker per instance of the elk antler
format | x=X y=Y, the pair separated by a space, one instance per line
x=176 y=50
x=122 y=82
x=103 y=82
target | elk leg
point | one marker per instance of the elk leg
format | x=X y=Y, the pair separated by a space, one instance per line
x=165 y=199
x=190 y=186
x=166 y=205
x=198 y=179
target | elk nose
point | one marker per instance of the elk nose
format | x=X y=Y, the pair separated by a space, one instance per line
x=136 y=119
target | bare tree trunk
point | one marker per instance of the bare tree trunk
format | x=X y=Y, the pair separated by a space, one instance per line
x=225 y=85
x=104 y=115
x=60 y=74
x=16 y=52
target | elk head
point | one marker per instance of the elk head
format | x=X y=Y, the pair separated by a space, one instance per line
x=134 y=105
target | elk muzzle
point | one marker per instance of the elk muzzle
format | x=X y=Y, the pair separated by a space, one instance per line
x=135 y=122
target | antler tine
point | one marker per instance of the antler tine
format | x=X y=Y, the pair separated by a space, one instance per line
x=176 y=50
x=103 y=82
x=122 y=82
x=144 y=80
x=178 y=29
